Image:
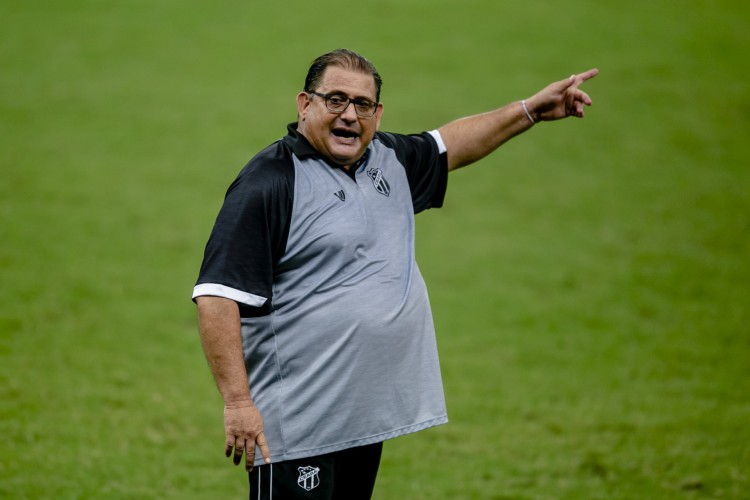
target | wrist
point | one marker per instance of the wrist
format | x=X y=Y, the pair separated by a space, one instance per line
x=233 y=405
x=242 y=402
x=525 y=106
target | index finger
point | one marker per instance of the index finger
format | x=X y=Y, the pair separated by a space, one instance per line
x=263 y=447
x=587 y=75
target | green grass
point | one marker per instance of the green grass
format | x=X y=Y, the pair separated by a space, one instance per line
x=590 y=281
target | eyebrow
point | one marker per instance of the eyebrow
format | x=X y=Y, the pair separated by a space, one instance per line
x=341 y=92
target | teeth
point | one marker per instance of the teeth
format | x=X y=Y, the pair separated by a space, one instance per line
x=346 y=134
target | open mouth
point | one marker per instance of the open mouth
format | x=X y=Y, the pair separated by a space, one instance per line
x=345 y=134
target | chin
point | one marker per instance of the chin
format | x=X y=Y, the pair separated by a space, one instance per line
x=346 y=158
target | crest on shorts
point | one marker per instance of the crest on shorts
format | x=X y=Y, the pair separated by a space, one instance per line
x=308 y=477
x=381 y=185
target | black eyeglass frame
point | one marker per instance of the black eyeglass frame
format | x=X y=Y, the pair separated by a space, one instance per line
x=356 y=101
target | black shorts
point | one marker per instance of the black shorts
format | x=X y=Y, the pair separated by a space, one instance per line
x=347 y=474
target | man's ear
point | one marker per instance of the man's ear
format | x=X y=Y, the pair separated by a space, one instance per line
x=378 y=115
x=303 y=102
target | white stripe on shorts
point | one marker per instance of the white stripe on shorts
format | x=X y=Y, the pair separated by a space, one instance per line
x=270 y=484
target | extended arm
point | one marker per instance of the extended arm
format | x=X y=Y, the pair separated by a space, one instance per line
x=472 y=138
x=219 y=320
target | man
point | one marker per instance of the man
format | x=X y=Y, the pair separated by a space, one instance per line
x=313 y=314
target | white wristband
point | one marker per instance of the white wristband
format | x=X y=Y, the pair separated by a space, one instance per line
x=526 y=110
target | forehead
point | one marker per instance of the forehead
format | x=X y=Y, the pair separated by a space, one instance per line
x=351 y=83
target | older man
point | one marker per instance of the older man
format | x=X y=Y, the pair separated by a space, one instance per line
x=314 y=316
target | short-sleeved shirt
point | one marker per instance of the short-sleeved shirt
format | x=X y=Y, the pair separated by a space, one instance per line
x=337 y=331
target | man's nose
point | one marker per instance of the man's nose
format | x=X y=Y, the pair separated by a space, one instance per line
x=349 y=112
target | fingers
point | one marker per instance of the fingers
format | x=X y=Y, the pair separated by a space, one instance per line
x=587 y=75
x=243 y=428
x=249 y=458
x=577 y=80
x=563 y=85
x=578 y=109
x=577 y=100
x=263 y=446
x=579 y=96
x=574 y=80
x=239 y=450
x=585 y=98
x=247 y=448
x=563 y=98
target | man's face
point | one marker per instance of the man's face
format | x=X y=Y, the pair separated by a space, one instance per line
x=341 y=137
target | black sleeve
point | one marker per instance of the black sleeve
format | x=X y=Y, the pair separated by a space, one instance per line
x=251 y=230
x=426 y=168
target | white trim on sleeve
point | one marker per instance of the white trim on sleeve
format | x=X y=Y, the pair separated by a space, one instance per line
x=439 y=139
x=228 y=293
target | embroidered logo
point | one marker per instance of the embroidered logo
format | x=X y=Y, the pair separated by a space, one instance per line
x=340 y=195
x=381 y=185
x=308 y=477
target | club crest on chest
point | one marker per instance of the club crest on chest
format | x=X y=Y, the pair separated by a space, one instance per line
x=378 y=180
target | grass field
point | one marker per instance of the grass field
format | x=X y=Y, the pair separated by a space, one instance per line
x=590 y=281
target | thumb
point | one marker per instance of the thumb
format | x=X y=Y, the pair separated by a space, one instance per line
x=561 y=86
x=568 y=82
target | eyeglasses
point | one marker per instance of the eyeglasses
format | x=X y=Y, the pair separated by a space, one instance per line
x=338 y=103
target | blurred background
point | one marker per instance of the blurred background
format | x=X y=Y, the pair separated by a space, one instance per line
x=590 y=280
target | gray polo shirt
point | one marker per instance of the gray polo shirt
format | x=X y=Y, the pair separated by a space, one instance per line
x=337 y=331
